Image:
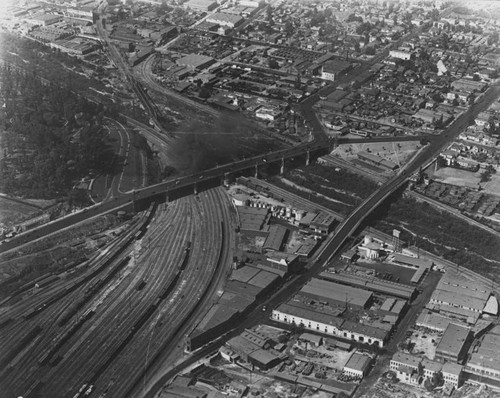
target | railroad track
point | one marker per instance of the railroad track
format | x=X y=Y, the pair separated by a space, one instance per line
x=181 y=255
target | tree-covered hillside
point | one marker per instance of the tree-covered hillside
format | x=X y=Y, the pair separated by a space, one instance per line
x=50 y=137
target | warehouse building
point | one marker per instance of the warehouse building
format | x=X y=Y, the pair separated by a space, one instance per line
x=201 y=5
x=252 y=218
x=331 y=70
x=223 y=19
x=276 y=237
x=377 y=160
x=336 y=294
x=195 y=61
x=454 y=344
x=329 y=324
x=376 y=285
x=254 y=350
x=462 y=298
x=323 y=223
x=433 y=321
x=484 y=363
x=357 y=365
x=299 y=314
x=43 y=19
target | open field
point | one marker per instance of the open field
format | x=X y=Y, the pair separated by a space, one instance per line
x=492 y=186
x=450 y=175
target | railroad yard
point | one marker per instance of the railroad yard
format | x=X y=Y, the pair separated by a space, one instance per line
x=138 y=292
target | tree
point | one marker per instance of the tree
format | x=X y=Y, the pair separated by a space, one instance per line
x=493 y=39
x=205 y=91
x=370 y=50
x=273 y=64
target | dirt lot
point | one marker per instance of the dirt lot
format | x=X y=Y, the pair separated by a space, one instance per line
x=424 y=343
x=334 y=359
x=397 y=152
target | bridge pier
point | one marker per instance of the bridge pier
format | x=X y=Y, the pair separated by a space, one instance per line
x=282 y=166
x=308 y=158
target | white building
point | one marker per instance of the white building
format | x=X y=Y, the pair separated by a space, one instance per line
x=405 y=55
x=452 y=374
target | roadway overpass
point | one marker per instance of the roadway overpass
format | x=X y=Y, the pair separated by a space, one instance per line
x=190 y=184
x=179 y=187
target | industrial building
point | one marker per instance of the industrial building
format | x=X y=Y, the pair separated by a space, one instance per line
x=457 y=296
x=377 y=160
x=229 y=20
x=195 y=61
x=245 y=287
x=323 y=223
x=336 y=294
x=252 y=218
x=332 y=69
x=200 y=5
x=357 y=365
x=376 y=285
x=276 y=237
x=433 y=321
x=330 y=324
x=253 y=349
x=43 y=19
x=454 y=344
x=484 y=363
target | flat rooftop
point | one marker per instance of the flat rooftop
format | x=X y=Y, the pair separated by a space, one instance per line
x=358 y=362
x=330 y=291
x=453 y=339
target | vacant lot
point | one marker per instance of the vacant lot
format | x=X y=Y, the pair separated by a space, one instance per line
x=397 y=152
x=11 y=211
x=449 y=175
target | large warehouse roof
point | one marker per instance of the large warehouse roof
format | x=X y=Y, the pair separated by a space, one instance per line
x=195 y=61
x=336 y=292
x=377 y=285
x=453 y=339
